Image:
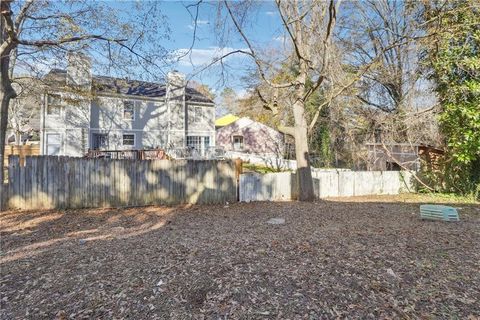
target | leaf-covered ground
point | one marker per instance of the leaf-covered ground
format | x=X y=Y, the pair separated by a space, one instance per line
x=344 y=258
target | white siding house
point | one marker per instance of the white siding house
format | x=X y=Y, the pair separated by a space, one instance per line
x=82 y=112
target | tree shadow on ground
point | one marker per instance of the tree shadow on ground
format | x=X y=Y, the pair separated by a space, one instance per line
x=212 y=260
x=26 y=233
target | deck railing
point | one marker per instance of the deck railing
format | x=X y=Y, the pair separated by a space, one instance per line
x=148 y=154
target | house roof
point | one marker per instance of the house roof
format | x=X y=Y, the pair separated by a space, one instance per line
x=244 y=122
x=139 y=88
x=226 y=120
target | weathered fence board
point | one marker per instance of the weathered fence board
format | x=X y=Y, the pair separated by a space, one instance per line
x=270 y=186
x=282 y=186
x=65 y=182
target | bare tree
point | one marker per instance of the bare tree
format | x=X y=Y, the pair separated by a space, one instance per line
x=316 y=63
x=229 y=101
x=24 y=111
x=306 y=24
x=387 y=31
x=35 y=35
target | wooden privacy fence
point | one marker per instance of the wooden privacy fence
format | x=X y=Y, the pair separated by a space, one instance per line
x=283 y=186
x=22 y=151
x=267 y=187
x=66 y=182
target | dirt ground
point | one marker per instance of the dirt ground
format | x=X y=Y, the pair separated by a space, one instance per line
x=366 y=257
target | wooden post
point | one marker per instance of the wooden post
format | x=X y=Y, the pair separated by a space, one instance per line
x=13 y=181
x=238 y=168
x=238 y=172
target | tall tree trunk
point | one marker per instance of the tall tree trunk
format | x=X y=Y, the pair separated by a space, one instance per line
x=304 y=172
x=6 y=94
x=5 y=100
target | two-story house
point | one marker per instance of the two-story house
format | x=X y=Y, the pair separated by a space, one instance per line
x=82 y=112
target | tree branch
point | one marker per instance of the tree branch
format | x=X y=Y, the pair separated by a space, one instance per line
x=195 y=25
x=348 y=85
x=56 y=42
x=332 y=11
x=292 y=37
x=9 y=26
x=252 y=51
x=389 y=155
x=22 y=15
x=287 y=130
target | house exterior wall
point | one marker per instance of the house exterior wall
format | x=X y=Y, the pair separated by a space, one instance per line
x=76 y=118
x=257 y=137
x=67 y=124
x=156 y=123
x=201 y=121
x=149 y=124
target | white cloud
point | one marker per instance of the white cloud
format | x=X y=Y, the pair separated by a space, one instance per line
x=242 y=93
x=199 y=24
x=198 y=57
x=281 y=38
x=270 y=13
x=35 y=66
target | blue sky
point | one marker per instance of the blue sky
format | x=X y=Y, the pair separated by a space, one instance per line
x=263 y=30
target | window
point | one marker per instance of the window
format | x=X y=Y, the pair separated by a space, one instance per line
x=194 y=142
x=99 y=141
x=53 y=144
x=54 y=104
x=129 y=140
x=198 y=114
x=198 y=143
x=128 y=110
x=195 y=114
x=237 y=143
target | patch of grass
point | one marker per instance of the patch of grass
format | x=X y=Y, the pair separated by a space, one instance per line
x=438 y=198
x=251 y=167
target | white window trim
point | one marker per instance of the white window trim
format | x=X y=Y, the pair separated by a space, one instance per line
x=200 y=146
x=60 y=143
x=123 y=111
x=134 y=139
x=59 y=106
x=242 y=143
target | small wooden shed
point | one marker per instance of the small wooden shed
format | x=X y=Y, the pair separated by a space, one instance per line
x=402 y=156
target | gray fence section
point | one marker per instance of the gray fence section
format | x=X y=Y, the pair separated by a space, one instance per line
x=269 y=186
x=66 y=182
x=282 y=186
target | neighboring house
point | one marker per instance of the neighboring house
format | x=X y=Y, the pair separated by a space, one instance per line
x=248 y=136
x=254 y=142
x=401 y=156
x=82 y=112
x=24 y=112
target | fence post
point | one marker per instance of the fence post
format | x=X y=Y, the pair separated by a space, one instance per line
x=13 y=180
x=238 y=172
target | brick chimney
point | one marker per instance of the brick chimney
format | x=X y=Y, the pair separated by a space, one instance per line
x=176 y=84
x=79 y=70
x=175 y=95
